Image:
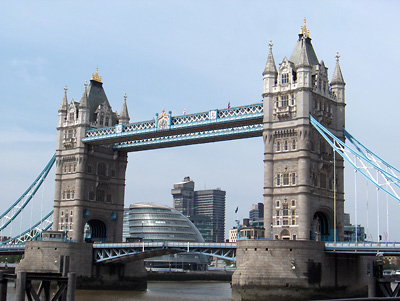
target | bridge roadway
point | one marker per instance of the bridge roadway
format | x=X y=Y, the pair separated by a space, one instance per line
x=123 y=252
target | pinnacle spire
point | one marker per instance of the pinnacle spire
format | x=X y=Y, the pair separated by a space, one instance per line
x=337 y=77
x=124 y=116
x=303 y=60
x=64 y=102
x=84 y=103
x=270 y=66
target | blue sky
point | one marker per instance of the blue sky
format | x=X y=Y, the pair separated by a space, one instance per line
x=193 y=55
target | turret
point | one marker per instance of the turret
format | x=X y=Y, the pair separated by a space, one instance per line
x=270 y=73
x=337 y=83
x=62 y=111
x=123 y=118
x=304 y=69
x=84 y=108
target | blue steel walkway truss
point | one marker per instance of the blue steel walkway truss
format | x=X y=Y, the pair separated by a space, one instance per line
x=211 y=126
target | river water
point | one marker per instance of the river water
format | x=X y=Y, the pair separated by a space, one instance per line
x=166 y=291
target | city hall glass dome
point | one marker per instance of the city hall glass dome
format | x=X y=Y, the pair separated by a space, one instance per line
x=155 y=222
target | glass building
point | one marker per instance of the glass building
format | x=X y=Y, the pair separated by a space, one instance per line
x=154 y=222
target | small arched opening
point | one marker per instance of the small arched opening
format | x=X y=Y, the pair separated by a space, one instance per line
x=320 y=227
x=285 y=234
x=95 y=231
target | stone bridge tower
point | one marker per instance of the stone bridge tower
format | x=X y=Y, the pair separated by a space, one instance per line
x=299 y=191
x=90 y=180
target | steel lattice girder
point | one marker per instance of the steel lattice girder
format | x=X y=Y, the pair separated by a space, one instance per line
x=180 y=125
x=121 y=252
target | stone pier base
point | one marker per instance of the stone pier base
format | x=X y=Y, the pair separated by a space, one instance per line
x=295 y=270
x=44 y=257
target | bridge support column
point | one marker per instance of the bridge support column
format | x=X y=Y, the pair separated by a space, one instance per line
x=295 y=270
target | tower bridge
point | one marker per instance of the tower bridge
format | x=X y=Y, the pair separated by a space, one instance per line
x=303 y=181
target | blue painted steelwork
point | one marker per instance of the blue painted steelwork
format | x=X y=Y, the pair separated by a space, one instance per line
x=12 y=249
x=11 y=213
x=33 y=232
x=192 y=138
x=363 y=160
x=364 y=248
x=114 y=252
x=226 y=124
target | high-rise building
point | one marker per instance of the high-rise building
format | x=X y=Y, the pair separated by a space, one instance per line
x=256 y=211
x=183 y=194
x=211 y=203
x=204 y=208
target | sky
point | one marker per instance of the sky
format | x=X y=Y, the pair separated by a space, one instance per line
x=192 y=56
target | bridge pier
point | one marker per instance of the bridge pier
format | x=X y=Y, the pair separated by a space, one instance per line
x=295 y=270
x=44 y=257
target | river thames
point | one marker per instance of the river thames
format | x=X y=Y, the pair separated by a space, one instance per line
x=163 y=290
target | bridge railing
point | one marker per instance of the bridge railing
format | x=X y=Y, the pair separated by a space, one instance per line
x=365 y=244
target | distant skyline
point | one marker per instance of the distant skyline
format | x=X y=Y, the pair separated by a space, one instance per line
x=190 y=56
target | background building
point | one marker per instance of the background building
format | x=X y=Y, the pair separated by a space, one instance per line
x=351 y=231
x=154 y=222
x=211 y=203
x=205 y=208
x=256 y=211
x=183 y=195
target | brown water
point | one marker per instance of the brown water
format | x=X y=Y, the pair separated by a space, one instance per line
x=166 y=291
